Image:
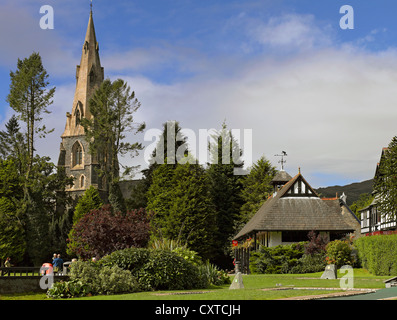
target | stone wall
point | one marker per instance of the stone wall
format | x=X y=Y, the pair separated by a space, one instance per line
x=24 y=284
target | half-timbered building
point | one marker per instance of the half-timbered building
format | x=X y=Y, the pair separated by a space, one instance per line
x=373 y=221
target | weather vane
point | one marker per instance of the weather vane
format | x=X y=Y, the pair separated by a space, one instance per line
x=282 y=161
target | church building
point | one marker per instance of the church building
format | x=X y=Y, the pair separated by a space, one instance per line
x=74 y=150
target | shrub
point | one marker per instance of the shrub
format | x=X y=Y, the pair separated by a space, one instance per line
x=113 y=280
x=156 y=269
x=278 y=259
x=211 y=275
x=167 y=271
x=378 y=254
x=102 y=231
x=68 y=289
x=316 y=243
x=131 y=259
x=92 y=278
x=339 y=253
x=310 y=263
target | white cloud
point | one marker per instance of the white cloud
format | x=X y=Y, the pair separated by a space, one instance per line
x=331 y=111
x=331 y=107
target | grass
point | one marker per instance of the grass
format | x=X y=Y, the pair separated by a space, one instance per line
x=252 y=291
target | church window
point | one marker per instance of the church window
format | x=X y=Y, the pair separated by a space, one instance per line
x=82 y=181
x=77 y=117
x=92 y=77
x=77 y=154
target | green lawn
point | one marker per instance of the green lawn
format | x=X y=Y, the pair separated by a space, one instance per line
x=252 y=291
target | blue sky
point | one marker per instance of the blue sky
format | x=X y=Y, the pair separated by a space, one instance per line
x=284 y=69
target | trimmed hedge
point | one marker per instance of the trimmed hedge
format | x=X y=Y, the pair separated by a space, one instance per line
x=378 y=254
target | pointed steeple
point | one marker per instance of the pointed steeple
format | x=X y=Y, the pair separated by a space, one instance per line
x=89 y=76
x=74 y=151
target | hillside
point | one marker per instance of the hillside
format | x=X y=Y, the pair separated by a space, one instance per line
x=352 y=191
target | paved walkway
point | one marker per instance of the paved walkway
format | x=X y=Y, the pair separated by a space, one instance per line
x=351 y=294
x=381 y=294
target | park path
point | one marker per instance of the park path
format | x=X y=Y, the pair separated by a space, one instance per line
x=376 y=294
x=381 y=294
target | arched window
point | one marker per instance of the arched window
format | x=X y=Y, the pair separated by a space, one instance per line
x=77 y=154
x=77 y=117
x=78 y=114
x=82 y=181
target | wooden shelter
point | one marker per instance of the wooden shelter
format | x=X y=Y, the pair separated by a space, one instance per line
x=292 y=212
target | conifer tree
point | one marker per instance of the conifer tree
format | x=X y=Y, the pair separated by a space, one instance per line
x=183 y=210
x=171 y=130
x=30 y=98
x=385 y=183
x=112 y=107
x=256 y=188
x=225 y=189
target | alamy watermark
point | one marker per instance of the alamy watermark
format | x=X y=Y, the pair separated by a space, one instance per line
x=47 y=20
x=345 y=22
x=184 y=146
x=347 y=281
x=47 y=279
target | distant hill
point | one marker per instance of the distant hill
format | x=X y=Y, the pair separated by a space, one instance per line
x=352 y=191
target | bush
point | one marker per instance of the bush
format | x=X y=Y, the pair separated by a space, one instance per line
x=278 y=259
x=378 y=254
x=310 y=263
x=68 y=289
x=131 y=259
x=102 y=231
x=339 y=253
x=156 y=269
x=113 y=280
x=211 y=275
x=92 y=278
x=165 y=270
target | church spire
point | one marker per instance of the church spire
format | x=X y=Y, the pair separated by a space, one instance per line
x=74 y=151
x=89 y=76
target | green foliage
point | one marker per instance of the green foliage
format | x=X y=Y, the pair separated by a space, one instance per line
x=112 y=106
x=385 y=181
x=210 y=274
x=93 y=278
x=181 y=201
x=131 y=259
x=12 y=235
x=364 y=200
x=29 y=98
x=278 y=259
x=155 y=269
x=339 y=252
x=256 y=187
x=309 y=263
x=167 y=271
x=68 y=289
x=378 y=254
x=225 y=190
x=89 y=201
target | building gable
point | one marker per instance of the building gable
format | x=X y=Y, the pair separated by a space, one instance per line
x=299 y=187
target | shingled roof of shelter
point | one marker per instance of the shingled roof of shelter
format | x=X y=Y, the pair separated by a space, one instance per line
x=284 y=212
x=282 y=176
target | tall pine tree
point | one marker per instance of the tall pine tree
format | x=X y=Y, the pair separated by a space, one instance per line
x=385 y=183
x=225 y=190
x=183 y=210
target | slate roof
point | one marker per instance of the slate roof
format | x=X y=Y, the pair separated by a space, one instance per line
x=305 y=212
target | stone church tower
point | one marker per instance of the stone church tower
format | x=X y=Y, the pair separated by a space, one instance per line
x=74 y=150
